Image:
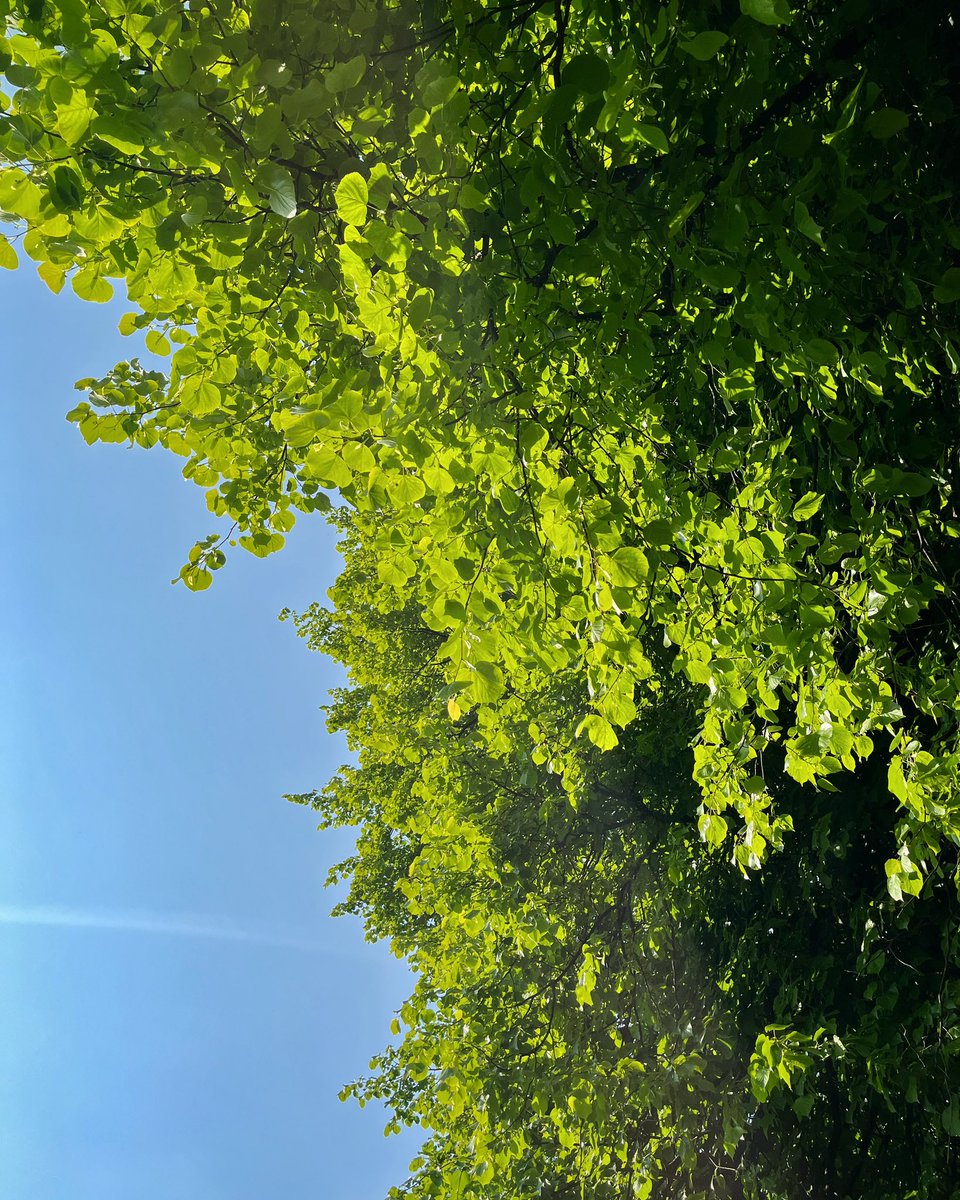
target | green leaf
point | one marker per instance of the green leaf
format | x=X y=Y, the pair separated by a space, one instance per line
x=263 y=543
x=97 y=225
x=948 y=289
x=767 y=12
x=950 y=1118
x=629 y=566
x=126 y=132
x=802 y=1105
x=821 y=351
x=893 y=870
x=195 y=577
x=329 y=468
x=652 y=135
x=156 y=343
x=438 y=480
x=891 y=481
x=200 y=396
x=588 y=73
x=705 y=45
x=910 y=483
x=391 y=246
x=345 y=75
x=275 y=72
x=817 y=616
x=281 y=190
x=806 y=224
x=698 y=672
x=886 y=122
x=472 y=198
x=20 y=195
x=599 y=731
x=683 y=214
x=74 y=22
x=406 y=489
x=807 y=506
x=73 y=119
x=841 y=741
x=53 y=276
x=487 y=683
x=8 y=256
x=358 y=457
x=712 y=828
x=351 y=197
x=177 y=66
x=439 y=89
x=66 y=188
x=419 y=307
x=89 y=284
x=658 y=532
x=847 y=112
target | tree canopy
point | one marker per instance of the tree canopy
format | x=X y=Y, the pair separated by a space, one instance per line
x=627 y=335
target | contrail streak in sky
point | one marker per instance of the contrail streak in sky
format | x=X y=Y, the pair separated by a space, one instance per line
x=188 y=925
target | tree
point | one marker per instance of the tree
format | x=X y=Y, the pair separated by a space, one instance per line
x=629 y=336
x=603 y=1006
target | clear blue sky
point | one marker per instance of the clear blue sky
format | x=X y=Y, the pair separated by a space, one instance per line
x=177 y=1009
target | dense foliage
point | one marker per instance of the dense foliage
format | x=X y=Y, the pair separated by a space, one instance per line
x=628 y=335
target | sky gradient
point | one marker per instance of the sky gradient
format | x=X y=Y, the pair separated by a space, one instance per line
x=178 y=1010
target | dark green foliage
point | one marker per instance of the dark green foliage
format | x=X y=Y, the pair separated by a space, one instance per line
x=608 y=1003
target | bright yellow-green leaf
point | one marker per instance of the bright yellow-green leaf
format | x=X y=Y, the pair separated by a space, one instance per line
x=53 y=276
x=599 y=731
x=328 y=468
x=89 y=284
x=351 y=197
x=807 y=506
x=8 y=256
x=406 y=489
x=629 y=566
